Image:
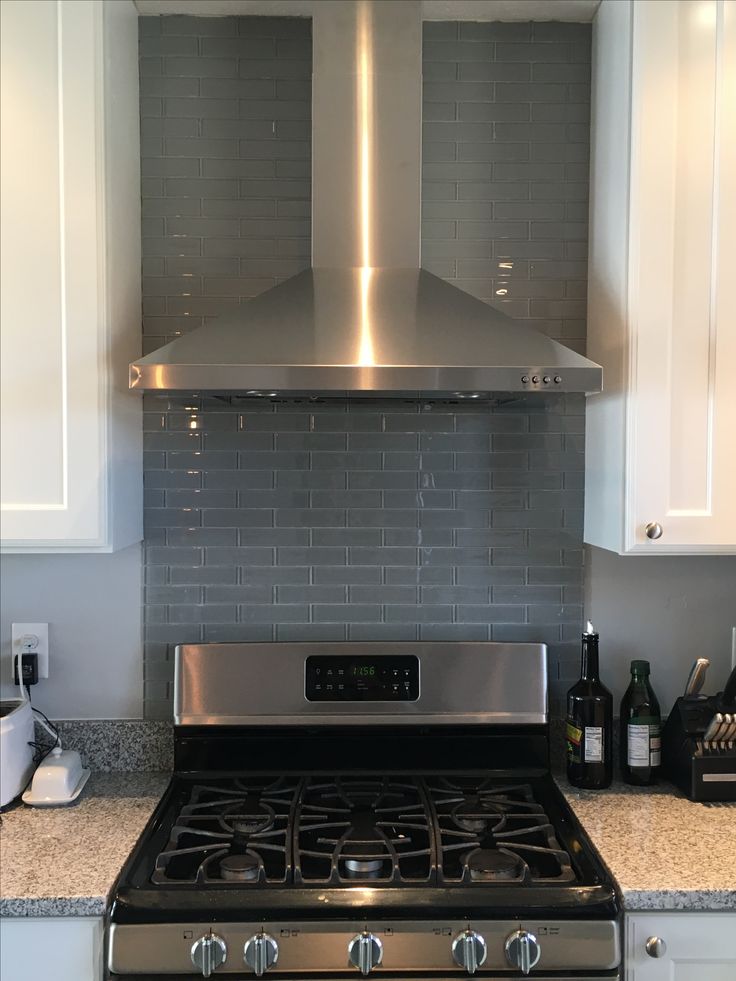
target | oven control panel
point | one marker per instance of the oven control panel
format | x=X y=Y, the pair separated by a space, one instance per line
x=383 y=678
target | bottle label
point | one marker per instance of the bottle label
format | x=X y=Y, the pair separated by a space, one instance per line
x=644 y=744
x=593 y=747
x=584 y=743
x=574 y=741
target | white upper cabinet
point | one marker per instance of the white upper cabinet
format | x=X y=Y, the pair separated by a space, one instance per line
x=71 y=303
x=661 y=439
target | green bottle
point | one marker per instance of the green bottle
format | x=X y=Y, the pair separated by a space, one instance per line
x=641 y=728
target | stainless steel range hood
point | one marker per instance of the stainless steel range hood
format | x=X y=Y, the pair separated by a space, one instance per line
x=366 y=319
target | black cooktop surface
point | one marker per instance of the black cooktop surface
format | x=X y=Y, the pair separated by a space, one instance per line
x=345 y=830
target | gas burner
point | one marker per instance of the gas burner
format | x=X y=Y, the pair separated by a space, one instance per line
x=233 y=830
x=476 y=812
x=491 y=831
x=350 y=828
x=238 y=819
x=240 y=868
x=487 y=865
x=362 y=866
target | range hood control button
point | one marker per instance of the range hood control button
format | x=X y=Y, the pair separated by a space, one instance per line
x=365 y=952
x=535 y=379
x=208 y=953
x=523 y=950
x=525 y=379
x=469 y=950
x=260 y=953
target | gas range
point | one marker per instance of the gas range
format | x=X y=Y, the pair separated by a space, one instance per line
x=371 y=808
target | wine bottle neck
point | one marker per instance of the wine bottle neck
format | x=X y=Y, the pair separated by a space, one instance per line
x=590 y=671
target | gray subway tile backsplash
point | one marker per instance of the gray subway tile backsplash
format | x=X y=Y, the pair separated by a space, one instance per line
x=396 y=520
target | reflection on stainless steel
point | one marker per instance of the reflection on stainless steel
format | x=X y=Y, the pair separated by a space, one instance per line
x=211 y=689
x=365 y=320
x=426 y=336
x=364 y=86
x=366 y=354
x=578 y=950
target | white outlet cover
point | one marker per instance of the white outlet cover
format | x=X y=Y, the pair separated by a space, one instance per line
x=40 y=630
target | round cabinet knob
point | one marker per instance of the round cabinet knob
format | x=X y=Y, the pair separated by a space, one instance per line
x=655 y=947
x=653 y=530
x=208 y=953
x=469 y=950
x=260 y=953
x=365 y=952
x=522 y=950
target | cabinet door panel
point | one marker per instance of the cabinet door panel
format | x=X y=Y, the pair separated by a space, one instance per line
x=53 y=352
x=682 y=413
x=66 y=948
x=699 y=947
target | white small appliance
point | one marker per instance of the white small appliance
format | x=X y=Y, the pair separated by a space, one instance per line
x=16 y=753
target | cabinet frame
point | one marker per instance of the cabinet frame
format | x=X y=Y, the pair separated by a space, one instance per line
x=658 y=439
x=73 y=470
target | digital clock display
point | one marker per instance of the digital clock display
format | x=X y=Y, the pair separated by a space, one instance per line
x=386 y=678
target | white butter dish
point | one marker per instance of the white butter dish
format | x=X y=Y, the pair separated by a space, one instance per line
x=58 y=781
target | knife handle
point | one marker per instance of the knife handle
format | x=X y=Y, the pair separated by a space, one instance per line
x=697 y=677
x=715 y=724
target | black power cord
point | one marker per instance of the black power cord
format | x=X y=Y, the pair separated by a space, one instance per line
x=41 y=750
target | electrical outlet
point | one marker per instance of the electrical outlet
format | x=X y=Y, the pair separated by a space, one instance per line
x=32 y=638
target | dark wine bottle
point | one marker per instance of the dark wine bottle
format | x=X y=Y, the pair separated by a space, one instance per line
x=589 y=723
x=641 y=728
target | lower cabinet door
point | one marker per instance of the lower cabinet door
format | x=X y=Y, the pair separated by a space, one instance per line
x=64 y=948
x=681 y=947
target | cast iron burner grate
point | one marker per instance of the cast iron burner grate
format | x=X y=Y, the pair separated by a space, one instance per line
x=488 y=832
x=363 y=829
x=233 y=831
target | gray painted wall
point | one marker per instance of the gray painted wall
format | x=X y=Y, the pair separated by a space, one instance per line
x=92 y=604
x=668 y=609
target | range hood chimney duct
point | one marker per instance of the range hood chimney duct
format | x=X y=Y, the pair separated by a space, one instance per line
x=367 y=135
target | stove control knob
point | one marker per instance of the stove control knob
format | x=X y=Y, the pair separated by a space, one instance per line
x=523 y=950
x=260 y=953
x=208 y=953
x=365 y=952
x=469 y=950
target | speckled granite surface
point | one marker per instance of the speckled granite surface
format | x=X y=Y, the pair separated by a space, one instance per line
x=64 y=861
x=664 y=851
x=120 y=744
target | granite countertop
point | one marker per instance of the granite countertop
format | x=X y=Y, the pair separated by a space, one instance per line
x=64 y=861
x=664 y=851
